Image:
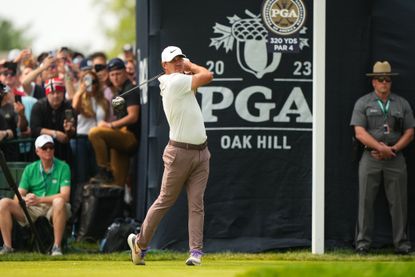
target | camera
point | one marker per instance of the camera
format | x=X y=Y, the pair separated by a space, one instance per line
x=69 y=115
x=119 y=107
x=4 y=88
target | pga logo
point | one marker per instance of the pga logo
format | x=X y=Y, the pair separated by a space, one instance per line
x=283 y=17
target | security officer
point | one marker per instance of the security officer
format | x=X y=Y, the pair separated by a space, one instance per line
x=383 y=122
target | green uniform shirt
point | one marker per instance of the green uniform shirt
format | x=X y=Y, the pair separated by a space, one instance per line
x=36 y=180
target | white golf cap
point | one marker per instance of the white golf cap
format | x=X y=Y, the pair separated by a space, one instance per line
x=170 y=52
x=42 y=140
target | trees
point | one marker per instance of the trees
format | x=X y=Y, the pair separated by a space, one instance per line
x=11 y=37
x=123 y=31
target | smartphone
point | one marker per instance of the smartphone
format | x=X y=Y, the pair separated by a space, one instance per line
x=69 y=115
x=52 y=53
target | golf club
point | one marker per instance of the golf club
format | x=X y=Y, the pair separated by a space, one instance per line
x=118 y=102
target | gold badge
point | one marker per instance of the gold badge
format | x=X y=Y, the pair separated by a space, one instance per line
x=283 y=17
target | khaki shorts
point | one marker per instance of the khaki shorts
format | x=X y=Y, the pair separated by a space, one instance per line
x=43 y=210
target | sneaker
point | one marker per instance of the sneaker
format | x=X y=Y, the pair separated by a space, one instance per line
x=195 y=257
x=103 y=176
x=137 y=254
x=6 y=250
x=56 y=251
x=362 y=251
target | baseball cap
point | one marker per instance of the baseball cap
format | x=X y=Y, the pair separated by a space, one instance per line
x=11 y=66
x=170 y=52
x=127 y=47
x=86 y=64
x=42 y=140
x=116 y=64
x=54 y=84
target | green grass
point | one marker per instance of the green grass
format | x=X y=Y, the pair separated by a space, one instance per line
x=86 y=261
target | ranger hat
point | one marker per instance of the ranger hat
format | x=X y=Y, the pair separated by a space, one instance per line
x=381 y=69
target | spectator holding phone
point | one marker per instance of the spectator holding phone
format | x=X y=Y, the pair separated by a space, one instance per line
x=66 y=71
x=22 y=104
x=48 y=118
x=6 y=130
x=92 y=107
x=46 y=70
x=99 y=66
x=55 y=64
x=12 y=109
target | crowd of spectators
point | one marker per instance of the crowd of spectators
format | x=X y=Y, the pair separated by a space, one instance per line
x=67 y=94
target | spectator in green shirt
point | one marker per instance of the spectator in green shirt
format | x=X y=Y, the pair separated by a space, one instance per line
x=45 y=186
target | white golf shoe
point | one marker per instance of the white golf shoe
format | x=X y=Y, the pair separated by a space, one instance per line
x=137 y=254
x=195 y=257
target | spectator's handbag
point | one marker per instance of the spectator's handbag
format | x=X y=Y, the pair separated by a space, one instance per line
x=101 y=204
x=115 y=238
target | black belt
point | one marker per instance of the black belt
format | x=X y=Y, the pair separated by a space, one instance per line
x=188 y=145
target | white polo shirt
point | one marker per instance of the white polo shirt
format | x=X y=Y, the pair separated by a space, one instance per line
x=181 y=108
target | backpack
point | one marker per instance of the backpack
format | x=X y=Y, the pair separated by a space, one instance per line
x=115 y=238
x=100 y=205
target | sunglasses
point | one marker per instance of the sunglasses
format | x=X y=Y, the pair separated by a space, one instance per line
x=383 y=79
x=99 y=67
x=11 y=74
x=48 y=147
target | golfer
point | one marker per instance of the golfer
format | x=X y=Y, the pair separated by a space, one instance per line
x=186 y=156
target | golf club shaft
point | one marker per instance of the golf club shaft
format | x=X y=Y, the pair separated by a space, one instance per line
x=140 y=85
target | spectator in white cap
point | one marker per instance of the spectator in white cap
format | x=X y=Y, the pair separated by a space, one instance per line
x=45 y=186
x=128 y=51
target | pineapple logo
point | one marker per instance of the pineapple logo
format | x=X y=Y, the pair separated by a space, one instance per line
x=251 y=44
x=250 y=37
